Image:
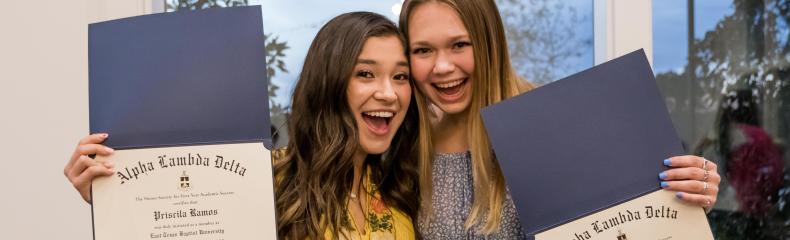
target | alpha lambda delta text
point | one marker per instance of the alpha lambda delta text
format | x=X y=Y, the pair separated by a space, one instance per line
x=144 y=168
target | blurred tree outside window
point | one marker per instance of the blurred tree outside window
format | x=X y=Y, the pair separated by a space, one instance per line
x=724 y=69
x=548 y=39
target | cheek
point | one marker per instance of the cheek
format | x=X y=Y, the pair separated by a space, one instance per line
x=421 y=69
x=353 y=96
x=420 y=73
x=404 y=96
x=466 y=61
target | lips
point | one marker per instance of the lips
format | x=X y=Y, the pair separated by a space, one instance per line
x=378 y=121
x=450 y=90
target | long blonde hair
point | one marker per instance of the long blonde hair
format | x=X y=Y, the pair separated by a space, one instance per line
x=493 y=80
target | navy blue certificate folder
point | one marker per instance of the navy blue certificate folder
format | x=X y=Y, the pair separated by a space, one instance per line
x=583 y=143
x=182 y=78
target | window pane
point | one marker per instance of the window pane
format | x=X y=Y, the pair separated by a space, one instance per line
x=548 y=39
x=727 y=86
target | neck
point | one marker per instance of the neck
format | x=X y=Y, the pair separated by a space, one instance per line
x=359 y=163
x=450 y=133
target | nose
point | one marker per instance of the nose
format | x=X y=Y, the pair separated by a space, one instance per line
x=386 y=92
x=443 y=64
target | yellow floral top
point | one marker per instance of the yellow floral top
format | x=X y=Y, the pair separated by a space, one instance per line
x=382 y=221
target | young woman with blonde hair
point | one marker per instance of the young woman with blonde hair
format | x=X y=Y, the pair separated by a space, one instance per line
x=460 y=64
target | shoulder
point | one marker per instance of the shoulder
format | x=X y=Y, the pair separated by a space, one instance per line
x=403 y=225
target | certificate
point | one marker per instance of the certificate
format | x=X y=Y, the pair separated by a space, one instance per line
x=220 y=191
x=183 y=97
x=655 y=216
x=581 y=157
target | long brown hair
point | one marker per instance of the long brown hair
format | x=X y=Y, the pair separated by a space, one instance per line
x=314 y=176
x=493 y=80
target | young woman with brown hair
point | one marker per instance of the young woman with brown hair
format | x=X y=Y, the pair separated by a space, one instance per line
x=460 y=64
x=348 y=171
x=350 y=106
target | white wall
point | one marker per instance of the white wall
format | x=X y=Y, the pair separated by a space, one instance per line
x=44 y=112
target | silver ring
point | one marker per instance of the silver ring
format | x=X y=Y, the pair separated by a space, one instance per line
x=704 y=164
x=707 y=174
x=704 y=188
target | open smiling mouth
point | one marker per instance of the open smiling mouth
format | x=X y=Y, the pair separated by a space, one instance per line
x=450 y=88
x=378 y=121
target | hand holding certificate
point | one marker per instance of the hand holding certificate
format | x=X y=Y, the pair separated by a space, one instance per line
x=581 y=157
x=184 y=97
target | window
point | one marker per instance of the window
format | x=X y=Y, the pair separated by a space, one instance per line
x=548 y=39
x=724 y=69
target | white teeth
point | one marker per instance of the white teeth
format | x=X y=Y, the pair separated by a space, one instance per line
x=449 y=84
x=379 y=114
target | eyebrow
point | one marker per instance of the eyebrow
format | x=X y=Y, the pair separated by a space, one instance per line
x=452 y=39
x=373 y=62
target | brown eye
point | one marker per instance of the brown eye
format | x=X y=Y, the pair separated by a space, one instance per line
x=402 y=77
x=420 y=51
x=462 y=44
x=365 y=74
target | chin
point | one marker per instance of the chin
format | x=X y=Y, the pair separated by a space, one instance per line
x=375 y=148
x=452 y=109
